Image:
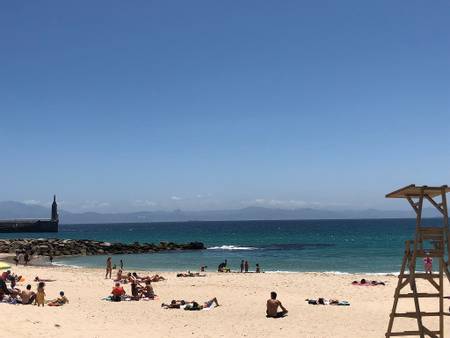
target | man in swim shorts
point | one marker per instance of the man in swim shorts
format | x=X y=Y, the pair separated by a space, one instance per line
x=272 y=307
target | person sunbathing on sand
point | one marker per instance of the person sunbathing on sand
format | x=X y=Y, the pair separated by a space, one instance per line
x=194 y=306
x=154 y=278
x=323 y=301
x=367 y=282
x=272 y=307
x=37 y=279
x=174 y=304
x=190 y=274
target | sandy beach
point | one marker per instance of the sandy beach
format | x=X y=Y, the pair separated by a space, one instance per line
x=242 y=312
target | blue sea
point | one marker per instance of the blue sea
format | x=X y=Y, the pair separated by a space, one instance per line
x=339 y=246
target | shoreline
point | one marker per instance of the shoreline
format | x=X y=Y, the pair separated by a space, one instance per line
x=8 y=258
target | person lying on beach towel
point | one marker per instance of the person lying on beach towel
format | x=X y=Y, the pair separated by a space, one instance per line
x=190 y=274
x=60 y=301
x=364 y=282
x=323 y=301
x=272 y=307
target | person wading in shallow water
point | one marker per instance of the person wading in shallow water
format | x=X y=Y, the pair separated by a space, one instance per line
x=108 y=268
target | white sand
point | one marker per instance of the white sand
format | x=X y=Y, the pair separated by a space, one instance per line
x=241 y=314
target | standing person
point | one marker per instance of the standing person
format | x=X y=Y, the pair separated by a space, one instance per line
x=272 y=307
x=242 y=266
x=246 y=266
x=51 y=258
x=121 y=265
x=258 y=270
x=428 y=264
x=16 y=259
x=26 y=258
x=108 y=268
x=40 y=295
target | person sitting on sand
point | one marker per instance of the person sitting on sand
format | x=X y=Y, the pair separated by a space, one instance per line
x=3 y=289
x=61 y=300
x=5 y=275
x=272 y=307
x=117 y=293
x=147 y=291
x=119 y=276
x=203 y=268
x=194 y=306
x=27 y=296
x=223 y=267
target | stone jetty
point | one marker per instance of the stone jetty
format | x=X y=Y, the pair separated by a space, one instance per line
x=85 y=247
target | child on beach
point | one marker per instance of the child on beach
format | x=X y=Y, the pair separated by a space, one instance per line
x=40 y=295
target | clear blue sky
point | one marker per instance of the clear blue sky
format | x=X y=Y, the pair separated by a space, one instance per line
x=118 y=105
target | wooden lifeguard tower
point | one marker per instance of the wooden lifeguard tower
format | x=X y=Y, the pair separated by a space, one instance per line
x=428 y=242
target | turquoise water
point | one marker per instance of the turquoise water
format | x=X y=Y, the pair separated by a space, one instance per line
x=368 y=246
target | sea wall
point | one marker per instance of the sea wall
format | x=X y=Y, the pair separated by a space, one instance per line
x=85 y=247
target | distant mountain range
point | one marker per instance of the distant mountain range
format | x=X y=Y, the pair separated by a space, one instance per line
x=12 y=210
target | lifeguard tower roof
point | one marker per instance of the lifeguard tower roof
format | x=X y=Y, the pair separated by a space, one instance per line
x=416 y=191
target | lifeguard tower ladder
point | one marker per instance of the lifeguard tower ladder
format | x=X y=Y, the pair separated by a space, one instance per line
x=429 y=241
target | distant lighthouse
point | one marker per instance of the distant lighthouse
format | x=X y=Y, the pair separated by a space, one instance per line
x=54 y=209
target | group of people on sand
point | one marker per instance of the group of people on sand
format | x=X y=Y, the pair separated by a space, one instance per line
x=138 y=291
x=26 y=296
x=244 y=267
x=141 y=286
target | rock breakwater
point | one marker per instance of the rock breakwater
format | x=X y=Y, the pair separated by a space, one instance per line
x=84 y=247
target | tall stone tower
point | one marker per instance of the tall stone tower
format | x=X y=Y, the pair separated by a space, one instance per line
x=54 y=209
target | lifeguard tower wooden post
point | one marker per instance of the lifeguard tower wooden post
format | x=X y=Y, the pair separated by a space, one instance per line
x=429 y=241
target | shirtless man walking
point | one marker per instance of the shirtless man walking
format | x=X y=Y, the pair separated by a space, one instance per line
x=272 y=307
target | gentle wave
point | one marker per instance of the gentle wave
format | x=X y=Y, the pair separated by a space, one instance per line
x=67 y=265
x=232 y=247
